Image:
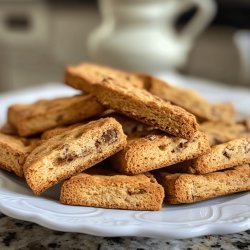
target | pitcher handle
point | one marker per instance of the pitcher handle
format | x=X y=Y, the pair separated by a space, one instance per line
x=206 y=10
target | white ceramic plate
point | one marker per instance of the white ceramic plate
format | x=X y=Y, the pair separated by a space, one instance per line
x=224 y=215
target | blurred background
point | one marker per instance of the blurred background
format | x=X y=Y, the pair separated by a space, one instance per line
x=38 y=38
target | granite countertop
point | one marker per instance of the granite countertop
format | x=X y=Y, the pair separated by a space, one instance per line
x=16 y=234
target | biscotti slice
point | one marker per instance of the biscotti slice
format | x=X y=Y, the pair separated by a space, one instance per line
x=43 y=115
x=113 y=190
x=189 y=188
x=146 y=108
x=157 y=150
x=222 y=156
x=85 y=75
x=71 y=152
x=221 y=132
x=190 y=100
x=14 y=151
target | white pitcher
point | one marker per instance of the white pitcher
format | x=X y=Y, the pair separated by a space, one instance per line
x=140 y=35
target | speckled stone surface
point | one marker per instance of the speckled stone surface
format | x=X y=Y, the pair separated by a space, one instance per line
x=16 y=234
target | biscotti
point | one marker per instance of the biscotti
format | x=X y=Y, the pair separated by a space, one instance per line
x=222 y=156
x=220 y=132
x=189 y=188
x=113 y=190
x=190 y=100
x=71 y=152
x=155 y=150
x=146 y=108
x=43 y=115
x=85 y=75
x=14 y=151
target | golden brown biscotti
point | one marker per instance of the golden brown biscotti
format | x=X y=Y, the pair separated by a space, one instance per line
x=221 y=132
x=14 y=151
x=85 y=75
x=157 y=150
x=71 y=152
x=43 y=115
x=113 y=190
x=222 y=156
x=146 y=108
x=190 y=100
x=189 y=188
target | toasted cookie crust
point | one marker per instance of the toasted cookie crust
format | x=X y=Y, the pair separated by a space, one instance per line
x=85 y=75
x=146 y=108
x=189 y=100
x=30 y=119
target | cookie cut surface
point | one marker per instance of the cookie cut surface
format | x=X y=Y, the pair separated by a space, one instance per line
x=14 y=151
x=112 y=190
x=156 y=150
x=71 y=152
x=222 y=156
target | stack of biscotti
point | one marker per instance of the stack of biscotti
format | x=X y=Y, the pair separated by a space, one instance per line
x=126 y=142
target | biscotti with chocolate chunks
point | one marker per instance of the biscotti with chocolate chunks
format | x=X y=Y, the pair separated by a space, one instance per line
x=147 y=151
x=71 y=152
x=222 y=156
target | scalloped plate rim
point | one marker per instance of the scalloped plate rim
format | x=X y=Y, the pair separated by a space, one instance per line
x=144 y=229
